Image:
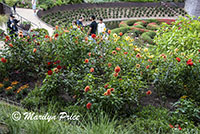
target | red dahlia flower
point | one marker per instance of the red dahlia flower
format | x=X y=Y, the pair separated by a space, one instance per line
x=49 y=63
x=120 y=33
x=148 y=92
x=46 y=36
x=147 y=67
x=58 y=61
x=92 y=69
x=116 y=74
x=112 y=89
x=50 y=72
x=178 y=59
x=86 y=60
x=59 y=67
x=117 y=69
x=171 y=126
x=56 y=35
x=93 y=36
x=114 y=52
x=149 y=61
x=118 y=49
x=106 y=86
x=189 y=62
x=88 y=106
x=7 y=37
x=87 y=88
x=125 y=52
x=109 y=64
x=3 y=60
x=109 y=92
x=179 y=128
x=11 y=45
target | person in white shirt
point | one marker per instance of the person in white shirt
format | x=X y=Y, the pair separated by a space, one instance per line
x=101 y=26
x=34 y=6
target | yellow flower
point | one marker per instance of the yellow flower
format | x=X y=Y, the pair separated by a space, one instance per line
x=14 y=83
x=146 y=50
x=115 y=35
x=130 y=45
x=151 y=56
x=1 y=85
x=176 y=50
x=131 y=40
x=135 y=46
x=127 y=38
x=118 y=37
x=104 y=29
x=9 y=88
x=183 y=97
x=137 y=49
x=182 y=54
x=137 y=65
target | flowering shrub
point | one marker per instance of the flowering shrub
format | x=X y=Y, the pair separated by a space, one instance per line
x=178 y=68
x=108 y=75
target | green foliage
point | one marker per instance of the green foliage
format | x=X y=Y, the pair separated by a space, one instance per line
x=173 y=36
x=10 y=2
x=177 y=78
x=130 y=22
x=153 y=27
x=121 y=29
x=145 y=36
x=157 y=121
x=189 y=108
x=3 y=19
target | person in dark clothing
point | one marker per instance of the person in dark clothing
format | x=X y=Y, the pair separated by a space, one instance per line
x=12 y=26
x=14 y=7
x=93 y=26
x=80 y=21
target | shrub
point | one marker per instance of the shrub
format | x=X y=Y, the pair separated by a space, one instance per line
x=178 y=74
x=145 y=36
x=130 y=22
x=121 y=29
x=152 y=27
x=123 y=24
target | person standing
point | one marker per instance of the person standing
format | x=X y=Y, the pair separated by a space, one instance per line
x=12 y=26
x=14 y=7
x=93 y=26
x=34 y=2
x=101 y=26
x=80 y=21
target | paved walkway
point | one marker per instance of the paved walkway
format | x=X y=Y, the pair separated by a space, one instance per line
x=29 y=15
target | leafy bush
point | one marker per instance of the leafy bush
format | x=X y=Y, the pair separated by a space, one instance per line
x=130 y=22
x=121 y=29
x=152 y=27
x=178 y=73
x=187 y=107
x=147 y=38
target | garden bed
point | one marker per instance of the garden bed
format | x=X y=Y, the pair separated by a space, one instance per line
x=64 y=15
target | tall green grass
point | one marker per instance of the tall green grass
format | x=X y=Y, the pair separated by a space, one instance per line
x=148 y=121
